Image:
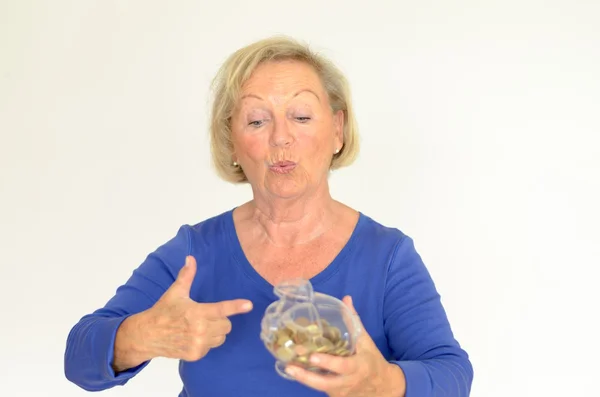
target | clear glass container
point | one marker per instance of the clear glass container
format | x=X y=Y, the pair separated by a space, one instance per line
x=302 y=322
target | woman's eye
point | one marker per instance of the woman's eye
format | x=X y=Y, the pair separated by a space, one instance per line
x=303 y=119
x=256 y=123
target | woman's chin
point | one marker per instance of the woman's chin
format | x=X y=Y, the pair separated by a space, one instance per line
x=285 y=189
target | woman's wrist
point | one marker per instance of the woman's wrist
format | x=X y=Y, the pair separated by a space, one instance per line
x=396 y=381
x=130 y=348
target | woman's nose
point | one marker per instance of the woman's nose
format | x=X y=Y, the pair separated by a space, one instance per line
x=281 y=135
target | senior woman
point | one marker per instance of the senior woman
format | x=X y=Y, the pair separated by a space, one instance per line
x=281 y=120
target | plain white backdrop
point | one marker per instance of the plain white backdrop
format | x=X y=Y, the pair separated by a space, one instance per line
x=479 y=123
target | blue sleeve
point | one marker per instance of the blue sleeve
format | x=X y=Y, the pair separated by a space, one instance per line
x=90 y=343
x=418 y=330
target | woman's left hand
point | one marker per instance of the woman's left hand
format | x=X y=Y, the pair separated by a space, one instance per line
x=366 y=373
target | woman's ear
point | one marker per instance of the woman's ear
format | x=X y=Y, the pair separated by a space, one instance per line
x=338 y=125
x=234 y=158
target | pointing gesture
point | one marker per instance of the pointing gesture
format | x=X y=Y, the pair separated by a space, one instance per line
x=185 y=329
x=178 y=327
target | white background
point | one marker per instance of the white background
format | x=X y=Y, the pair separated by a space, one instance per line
x=479 y=123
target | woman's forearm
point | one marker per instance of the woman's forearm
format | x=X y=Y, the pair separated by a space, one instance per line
x=451 y=375
x=90 y=351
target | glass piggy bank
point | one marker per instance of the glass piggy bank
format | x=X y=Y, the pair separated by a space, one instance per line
x=302 y=322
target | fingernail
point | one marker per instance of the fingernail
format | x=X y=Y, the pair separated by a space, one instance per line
x=187 y=261
x=315 y=359
x=247 y=306
x=291 y=371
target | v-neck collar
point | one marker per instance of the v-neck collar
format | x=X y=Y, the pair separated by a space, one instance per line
x=241 y=259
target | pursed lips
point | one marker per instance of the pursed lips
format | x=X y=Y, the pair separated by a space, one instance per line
x=282 y=167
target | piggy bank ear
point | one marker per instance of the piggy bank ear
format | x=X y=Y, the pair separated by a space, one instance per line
x=296 y=290
x=297 y=308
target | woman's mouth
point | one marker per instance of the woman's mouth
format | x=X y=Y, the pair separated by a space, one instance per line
x=282 y=167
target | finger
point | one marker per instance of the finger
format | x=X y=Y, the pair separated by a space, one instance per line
x=345 y=366
x=323 y=383
x=351 y=317
x=185 y=278
x=364 y=339
x=349 y=313
x=350 y=305
x=227 y=308
x=220 y=326
x=216 y=341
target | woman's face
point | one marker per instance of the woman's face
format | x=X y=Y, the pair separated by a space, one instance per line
x=284 y=131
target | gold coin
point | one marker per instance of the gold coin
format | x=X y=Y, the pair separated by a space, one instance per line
x=285 y=353
x=312 y=329
x=296 y=341
x=323 y=349
x=323 y=342
x=334 y=334
x=302 y=321
x=300 y=338
x=302 y=359
x=310 y=347
x=283 y=339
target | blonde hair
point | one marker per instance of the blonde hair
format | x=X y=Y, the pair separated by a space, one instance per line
x=238 y=68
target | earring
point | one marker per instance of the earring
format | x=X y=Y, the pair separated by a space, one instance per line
x=235 y=164
x=337 y=151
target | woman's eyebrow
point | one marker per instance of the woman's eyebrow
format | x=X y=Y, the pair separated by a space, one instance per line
x=307 y=90
x=293 y=96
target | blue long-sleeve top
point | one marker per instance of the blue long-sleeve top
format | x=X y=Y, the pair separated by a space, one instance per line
x=379 y=267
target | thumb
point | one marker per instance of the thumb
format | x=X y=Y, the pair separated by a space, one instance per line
x=185 y=278
x=363 y=337
x=350 y=305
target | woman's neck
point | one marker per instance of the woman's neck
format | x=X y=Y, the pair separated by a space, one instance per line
x=291 y=222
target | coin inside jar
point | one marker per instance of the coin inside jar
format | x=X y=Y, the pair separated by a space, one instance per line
x=295 y=342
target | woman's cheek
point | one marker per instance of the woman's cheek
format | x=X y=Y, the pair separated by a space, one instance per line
x=254 y=147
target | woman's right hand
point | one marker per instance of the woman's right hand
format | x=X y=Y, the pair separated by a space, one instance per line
x=176 y=326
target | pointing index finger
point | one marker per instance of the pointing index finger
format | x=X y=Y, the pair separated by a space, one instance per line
x=228 y=308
